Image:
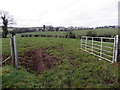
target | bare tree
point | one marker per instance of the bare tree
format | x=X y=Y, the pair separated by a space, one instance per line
x=6 y=20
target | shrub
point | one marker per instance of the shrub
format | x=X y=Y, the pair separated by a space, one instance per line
x=35 y=35
x=50 y=36
x=91 y=33
x=55 y=36
x=30 y=35
x=106 y=35
x=22 y=35
x=47 y=36
x=65 y=36
x=70 y=35
x=60 y=36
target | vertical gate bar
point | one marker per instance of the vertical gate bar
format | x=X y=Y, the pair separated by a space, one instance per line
x=101 y=47
x=116 y=48
x=81 y=42
x=86 y=44
x=92 y=44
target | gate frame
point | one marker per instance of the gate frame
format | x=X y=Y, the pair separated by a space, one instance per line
x=115 y=47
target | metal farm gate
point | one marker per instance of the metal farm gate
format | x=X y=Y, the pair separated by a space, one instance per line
x=103 y=47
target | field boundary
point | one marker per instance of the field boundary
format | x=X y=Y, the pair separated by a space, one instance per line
x=43 y=35
x=102 y=47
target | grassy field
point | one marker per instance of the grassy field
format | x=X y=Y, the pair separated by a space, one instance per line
x=108 y=31
x=76 y=68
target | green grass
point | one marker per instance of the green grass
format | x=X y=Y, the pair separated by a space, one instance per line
x=13 y=78
x=85 y=71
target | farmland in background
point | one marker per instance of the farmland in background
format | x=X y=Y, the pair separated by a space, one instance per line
x=98 y=32
x=109 y=31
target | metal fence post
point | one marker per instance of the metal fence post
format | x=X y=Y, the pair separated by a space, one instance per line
x=116 y=48
x=14 y=51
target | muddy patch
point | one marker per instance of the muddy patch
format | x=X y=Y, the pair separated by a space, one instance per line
x=38 y=60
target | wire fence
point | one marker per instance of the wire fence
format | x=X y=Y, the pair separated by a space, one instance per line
x=103 y=47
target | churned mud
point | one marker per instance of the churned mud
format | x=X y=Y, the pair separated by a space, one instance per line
x=38 y=60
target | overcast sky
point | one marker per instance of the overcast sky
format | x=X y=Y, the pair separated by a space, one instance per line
x=89 y=13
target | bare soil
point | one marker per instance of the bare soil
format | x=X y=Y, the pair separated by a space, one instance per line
x=38 y=60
